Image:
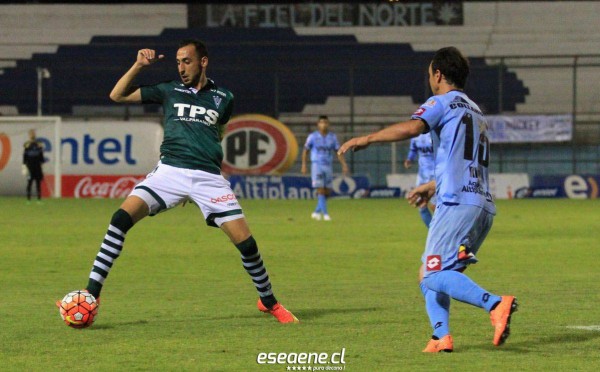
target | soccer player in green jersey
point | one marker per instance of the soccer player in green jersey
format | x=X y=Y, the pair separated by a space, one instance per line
x=196 y=111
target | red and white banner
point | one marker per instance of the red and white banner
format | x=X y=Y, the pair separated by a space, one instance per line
x=93 y=186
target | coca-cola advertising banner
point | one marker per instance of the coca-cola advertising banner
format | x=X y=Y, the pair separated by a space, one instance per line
x=99 y=159
x=94 y=186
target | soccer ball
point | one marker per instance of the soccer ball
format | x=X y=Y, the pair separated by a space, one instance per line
x=78 y=309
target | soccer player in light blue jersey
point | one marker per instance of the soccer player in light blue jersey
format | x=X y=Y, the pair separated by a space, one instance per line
x=465 y=209
x=322 y=144
x=422 y=147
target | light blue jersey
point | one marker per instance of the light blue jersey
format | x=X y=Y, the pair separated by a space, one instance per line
x=321 y=157
x=322 y=148
x=461 y=149
x=422 y=147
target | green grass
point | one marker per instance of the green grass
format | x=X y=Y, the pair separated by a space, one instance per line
x=178 y=299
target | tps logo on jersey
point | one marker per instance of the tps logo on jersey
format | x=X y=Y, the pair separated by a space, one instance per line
x=434 y=262
x=195 y=113
x=258 y=144
x=4 y=150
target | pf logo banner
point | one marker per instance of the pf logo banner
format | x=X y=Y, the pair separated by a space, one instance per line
x=4 y=150
x=258 y=144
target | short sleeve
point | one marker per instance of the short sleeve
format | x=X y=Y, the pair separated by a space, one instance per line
x=228 y=110
x=431 y=112
x=309 y=142
x=152 y=93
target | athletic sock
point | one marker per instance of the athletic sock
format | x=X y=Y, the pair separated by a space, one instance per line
x=425 y=215
x=254 y=266
x=460 y=287
x=323 y=203
x=110 y=249
x=437 y=306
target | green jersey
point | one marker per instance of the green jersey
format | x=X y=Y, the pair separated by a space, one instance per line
x=194 y=122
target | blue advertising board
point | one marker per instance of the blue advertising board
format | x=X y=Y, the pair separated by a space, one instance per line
x=294 y=187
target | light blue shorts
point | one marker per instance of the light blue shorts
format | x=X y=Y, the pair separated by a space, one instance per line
x=322 y=176
x=451 y=227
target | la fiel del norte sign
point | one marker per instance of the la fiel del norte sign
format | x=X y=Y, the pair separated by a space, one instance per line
x=368 y=14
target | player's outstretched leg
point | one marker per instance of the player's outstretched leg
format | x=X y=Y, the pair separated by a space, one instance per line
x=253 y=263
x=110 y=249
x=438 y=310
x=460 y=287
x=500 y=317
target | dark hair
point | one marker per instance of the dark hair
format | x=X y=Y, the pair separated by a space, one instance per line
x=200 y=47
x=323 y=117
x=452 y=64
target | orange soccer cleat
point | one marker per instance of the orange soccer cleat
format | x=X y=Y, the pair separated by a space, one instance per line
x=500 y=318
x=282 y=314
x=445 y=344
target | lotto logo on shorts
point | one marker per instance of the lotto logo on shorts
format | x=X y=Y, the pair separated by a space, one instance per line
x=223 y=198
x=434 y=262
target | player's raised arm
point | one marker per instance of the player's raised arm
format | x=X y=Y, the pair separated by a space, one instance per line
x=396 y=132
x=123 y=91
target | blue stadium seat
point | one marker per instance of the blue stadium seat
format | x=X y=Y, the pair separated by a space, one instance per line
x=249 y=62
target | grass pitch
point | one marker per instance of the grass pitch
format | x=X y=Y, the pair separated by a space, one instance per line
x=178 y=298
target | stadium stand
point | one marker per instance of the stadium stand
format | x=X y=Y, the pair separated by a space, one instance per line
x=83 y=74
x=360 y=75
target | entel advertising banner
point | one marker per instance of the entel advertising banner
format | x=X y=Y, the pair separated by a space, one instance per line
x=574 y=186
x=99 y=159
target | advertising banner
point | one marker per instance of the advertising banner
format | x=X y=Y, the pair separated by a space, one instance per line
x=530 y=128
x=573 y=186
x=294 y=187
x=502 y=185
x=256 y=144
x=107 y=148
x=95 y=186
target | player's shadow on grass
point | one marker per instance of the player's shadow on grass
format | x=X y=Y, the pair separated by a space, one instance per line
x=526 y=346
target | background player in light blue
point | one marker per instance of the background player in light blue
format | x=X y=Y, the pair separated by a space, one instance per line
x=322 y=144
x=422 y=148
x=465 y=209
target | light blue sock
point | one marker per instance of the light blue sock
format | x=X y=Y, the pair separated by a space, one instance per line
x=460 y=287
x=425 y=215
x=438 y=310
x=323 y=203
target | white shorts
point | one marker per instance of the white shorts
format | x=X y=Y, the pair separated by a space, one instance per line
x=167 y=186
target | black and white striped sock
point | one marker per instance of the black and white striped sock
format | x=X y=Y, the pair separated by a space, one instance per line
x=253 y=263
x=110 y=249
